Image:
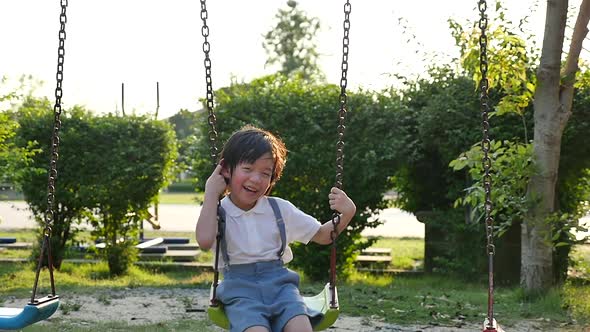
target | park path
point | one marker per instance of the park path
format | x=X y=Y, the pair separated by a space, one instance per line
x=183 y=218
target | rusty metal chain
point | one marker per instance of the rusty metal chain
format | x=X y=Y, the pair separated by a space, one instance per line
x=343 y=97
x=213 y=151
x=342 y=111
x=52 y=172
x=57 y=109
x=486 y=160
x=340 y=146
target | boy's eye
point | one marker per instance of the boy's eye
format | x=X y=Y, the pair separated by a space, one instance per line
x=267 y=175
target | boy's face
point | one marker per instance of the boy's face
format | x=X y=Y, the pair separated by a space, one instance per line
x=249 y=182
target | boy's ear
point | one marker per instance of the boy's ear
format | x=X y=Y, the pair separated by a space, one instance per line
x=225 y=172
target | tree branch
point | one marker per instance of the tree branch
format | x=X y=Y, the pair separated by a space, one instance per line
x=550 y=64
x=578 y=36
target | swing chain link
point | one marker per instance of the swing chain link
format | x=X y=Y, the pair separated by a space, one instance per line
x=52 y=172
x=212 y=120
x=57 y=110
x=340 y=147
x=342 y=113
x=486 y=160
x=213 y=151
x=486 y=143
x=343 y=97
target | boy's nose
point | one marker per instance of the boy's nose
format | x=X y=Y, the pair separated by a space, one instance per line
x=256 y=178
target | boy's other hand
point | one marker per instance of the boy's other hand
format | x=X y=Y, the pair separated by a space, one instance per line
x=340 y=202
x=216 y=183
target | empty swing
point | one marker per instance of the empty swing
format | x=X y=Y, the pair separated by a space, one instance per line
x=326 y=302
x=42 y=308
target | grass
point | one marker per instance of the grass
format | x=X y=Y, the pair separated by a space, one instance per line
x=14 y=253
x=393 y=299
x=581 y=253
x=180 y=198
x=406 y=253
x=17 y=279
x=576 y=295
x=441 y=300
x=174 y=325
x=21 y=235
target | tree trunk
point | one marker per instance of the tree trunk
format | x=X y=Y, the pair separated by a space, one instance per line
x=552 y=105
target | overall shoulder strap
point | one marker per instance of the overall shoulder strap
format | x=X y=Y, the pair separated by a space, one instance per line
x=223 y=244
x=280 y=223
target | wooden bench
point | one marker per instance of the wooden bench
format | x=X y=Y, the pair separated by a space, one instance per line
x=141 y=246
x=150 y=243
x=374 y=256
x=7 y=240
x=177 y=240
x=377 y=251
x=174 y=249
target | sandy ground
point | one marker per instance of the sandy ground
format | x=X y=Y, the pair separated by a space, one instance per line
x=145 y=305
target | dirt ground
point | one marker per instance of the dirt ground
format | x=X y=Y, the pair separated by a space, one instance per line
x=144 y=305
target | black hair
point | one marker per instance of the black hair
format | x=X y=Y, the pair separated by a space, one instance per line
x=250 y=143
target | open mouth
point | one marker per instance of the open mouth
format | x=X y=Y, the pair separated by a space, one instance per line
x=250 y=190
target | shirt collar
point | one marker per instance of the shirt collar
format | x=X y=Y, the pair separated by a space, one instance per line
x=232 y=210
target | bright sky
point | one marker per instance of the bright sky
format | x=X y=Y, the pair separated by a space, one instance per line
x=141 y=42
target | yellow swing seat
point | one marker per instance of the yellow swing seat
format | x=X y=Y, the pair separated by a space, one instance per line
x=319 y=303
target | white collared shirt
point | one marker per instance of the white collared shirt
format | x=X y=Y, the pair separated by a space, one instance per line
x=253 y=235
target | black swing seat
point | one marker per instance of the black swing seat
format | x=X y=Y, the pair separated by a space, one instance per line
x=17 y=318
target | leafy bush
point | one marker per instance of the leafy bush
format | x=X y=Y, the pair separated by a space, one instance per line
x=120 y=256
x=184 y=186
x=110 y=170
x=305 y=117
x=12 y=158
x=513 y=167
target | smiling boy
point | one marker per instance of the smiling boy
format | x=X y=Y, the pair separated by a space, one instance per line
x=258 y=292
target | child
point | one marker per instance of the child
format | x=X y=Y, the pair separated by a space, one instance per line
x=258 y=292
